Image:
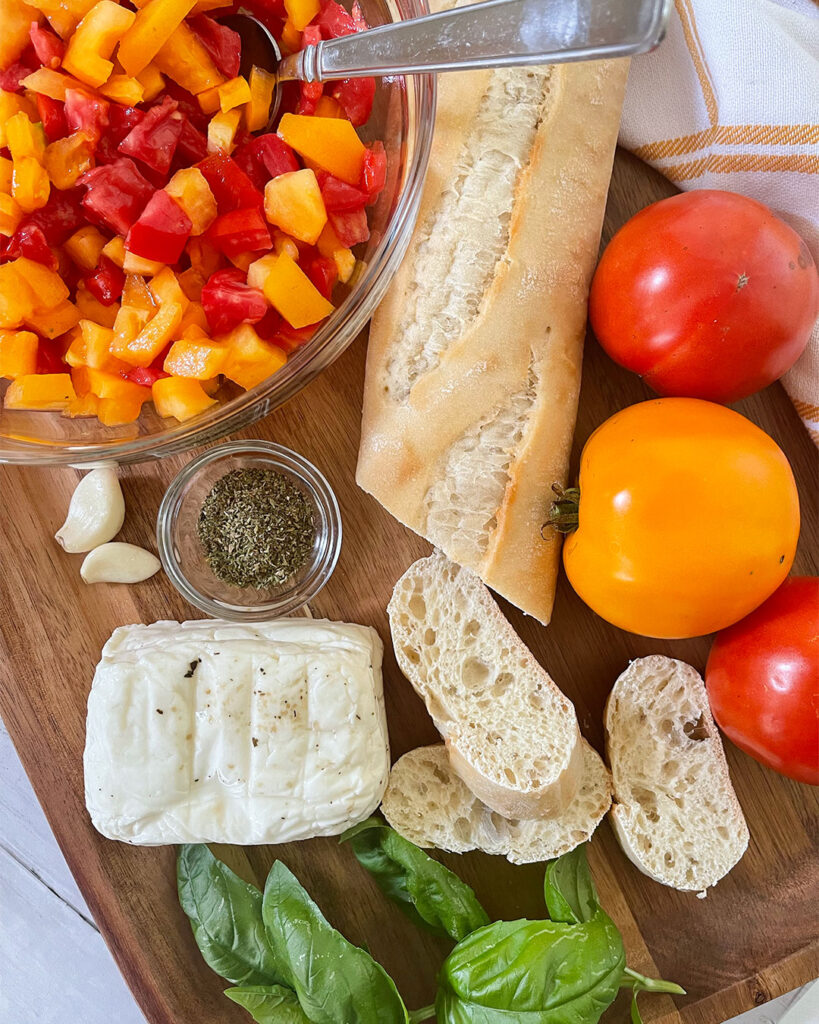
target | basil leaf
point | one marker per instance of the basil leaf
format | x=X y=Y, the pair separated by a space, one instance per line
x=569 y=889
x=336 y=982
x=532 y=972
x=226 y=916
x=269 y=1004
x=640 y=983
x=428 y=893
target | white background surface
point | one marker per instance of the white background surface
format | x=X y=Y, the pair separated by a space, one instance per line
x=54 y=965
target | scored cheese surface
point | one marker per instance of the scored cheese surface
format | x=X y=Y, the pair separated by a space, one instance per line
x=212 y=731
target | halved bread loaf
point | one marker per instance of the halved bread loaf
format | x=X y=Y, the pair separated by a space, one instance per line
x=429 y=805
x=675 y=812
x=512 y=736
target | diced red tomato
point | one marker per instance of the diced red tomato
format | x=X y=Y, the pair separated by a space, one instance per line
x=338 y=196
x=222 y=43
x=161 y=230
x=334 y=21
x=247 y=160
x=153 y=141
x=50 y=356
x=374 y=174
x=188 y=105
x=87 y=113
x=323 y=272
x=61 y=215
x=309 y=95
x=269 y=325
x=240 y=231
x=121 y=121
x=106 y=282
x=12 y=76
x=350 y=226
x=145 y=376
x=192 y=145
x=269 y=12
x=274 y=153
x=48 y=46
x=228 y=301
x=29 y=240
x=356 y=97
x=292 y=338
x=359 y=20
x=116 y=195
x=231 y=187
x=52 y=116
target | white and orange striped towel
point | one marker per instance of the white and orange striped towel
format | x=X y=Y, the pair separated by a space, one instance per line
x=730 y=100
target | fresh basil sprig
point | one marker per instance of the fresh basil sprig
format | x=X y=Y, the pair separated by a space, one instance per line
x=269 y=1004
x=429 y=894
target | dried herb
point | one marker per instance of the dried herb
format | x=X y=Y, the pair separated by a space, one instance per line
x=256 y=528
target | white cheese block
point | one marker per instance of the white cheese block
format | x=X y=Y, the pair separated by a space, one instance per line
x=212 y=731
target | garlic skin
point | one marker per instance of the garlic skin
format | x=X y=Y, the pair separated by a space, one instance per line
x=119 y=563
x=95 y=514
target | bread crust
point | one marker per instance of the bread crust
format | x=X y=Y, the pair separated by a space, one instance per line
x=527 y=333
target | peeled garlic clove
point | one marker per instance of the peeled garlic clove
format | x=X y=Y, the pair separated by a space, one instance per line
x=119 y=563
x=95 y=514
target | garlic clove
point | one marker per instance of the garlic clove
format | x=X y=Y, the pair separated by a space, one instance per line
x=119 y=563
x=95 y=514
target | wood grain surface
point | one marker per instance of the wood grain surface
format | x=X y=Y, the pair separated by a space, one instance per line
x=754 y=936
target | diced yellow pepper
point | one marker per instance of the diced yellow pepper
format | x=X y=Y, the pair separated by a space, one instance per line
x=18 y=354
x=152 y=82
x=92 y=309
x=108 y=386
x=242 y=260
x=199 y=358
x=185 y=59
x=123 y=89
x=133 y=264
x=293 y=202
x=291 y=37
x=345 y=263
x=210 y=387
x=6 y=168
x=209 y=100
x=115 y=250
x=194 y=319
x=137 y=293
x=94 y=40
x=329 y=107
x=53 y=84
x=191 y=282
x=10 y=214
x=330 y=142
x=180 y=397
x=85 y=247
x=66 y=160
x=251 y=359
x=204 y=256
x=48 y=288
x=284 y=243
x=84 y=405
x=12 y=103
x=190 y=189
x=116 y=412
x=257 y=111
x=258 y=271
x=155 y=22
x=204 y=6
x=63 y=15
x=41 y=391
x=301 y=12
x=24 y=138
x=290 y=291
x=16 y=296
x=51 y=323
x=222 y=129
x=153 y=337
x=15 y=19
x=166 y=289
x=96 y=346
x=235 y=93
x=129 y=322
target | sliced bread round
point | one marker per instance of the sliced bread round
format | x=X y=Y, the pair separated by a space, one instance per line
x=675 y=812
x=429 y=805
x=512 y=736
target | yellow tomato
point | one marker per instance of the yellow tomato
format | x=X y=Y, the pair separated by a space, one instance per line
x=688 y=519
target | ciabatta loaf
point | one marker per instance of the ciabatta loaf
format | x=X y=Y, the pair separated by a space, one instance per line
x=512 y=736
x=429 y=805
x=675 y=811
x=473 y=368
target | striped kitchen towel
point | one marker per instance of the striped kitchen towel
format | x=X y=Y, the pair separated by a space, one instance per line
x=730 y=100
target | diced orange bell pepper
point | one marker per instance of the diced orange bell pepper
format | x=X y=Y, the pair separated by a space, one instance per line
x=15 y=18
x=329 y=107
x=301 y=12
x=16 y=297
x=18 y=354
x=82 y=405
x=63 y=15
x=204 y=6
x=200 y=358
x=209 y=100
x=137 y=293
x=293 y=202
x=291 y=37
x=166 y=289
x=222 y=129
x=6 y=171
x=251 y=359
x=330 y=142
x=185 y=59
x=92 y=309
x=242 y=260
x=85 y=247
x=234 y=93
x=152 y=82
x=259 y=270
x=107 y=385
x=53 y=84
x=210 y=387
x=257 y=111
x=25 y=138
x=114 y=249
x=94 y=40
x=12 y=103
x=30 y=184
x=204 y=256
x=116 y=412
x=47 y=287
x=153 y=337
x=331 y=246
x=40 y=391
x=284 y=243
x=191 y=282
x=155 y=22
x=123 y=89
x=51 y=323
x=10 y=214
x=190 y=189
x=95 y=348
x=129 y=322
x=180 y=397
x=67 y=159
x=193 y=317
x=133 y=264
x=290 y=291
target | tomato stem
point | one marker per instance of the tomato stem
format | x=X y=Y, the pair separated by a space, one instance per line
x=564 y=513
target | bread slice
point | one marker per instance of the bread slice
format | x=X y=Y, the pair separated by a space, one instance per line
x=473 y=366
x=429 y=805
x=675 y=812
x=512 y=736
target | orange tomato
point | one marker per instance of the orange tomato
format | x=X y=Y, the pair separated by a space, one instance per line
x=688 y=519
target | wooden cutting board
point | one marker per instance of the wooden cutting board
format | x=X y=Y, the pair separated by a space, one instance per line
x=754 y=936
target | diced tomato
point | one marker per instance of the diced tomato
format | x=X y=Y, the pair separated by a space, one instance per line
x=121 y=121
x=87 y=113
x=12 y=76
x=309 y=95
x=192 y=145
x=323 y=272
x=161 y=230
x=274 y=153
x=50 y=356
x=334 y=21
x=154 y=140
x=269 y=325
x=61 y=215
x=350 y=226
x=228 y=301
x=374 y=174
x=245 y=157
x=29 y=240
x=292 y=338
x=188 y=105
x=230 y=185
x=145 y=376
x=240 y=231
x=222 y=43
x=52 y=116
x=116 y=195
x=270 y=13
x=359 y=20
x=47 y=45
x=338 y=196
x=106 y=282
x=356 y=97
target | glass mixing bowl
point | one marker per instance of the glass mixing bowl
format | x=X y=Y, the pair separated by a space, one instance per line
x=403 y=118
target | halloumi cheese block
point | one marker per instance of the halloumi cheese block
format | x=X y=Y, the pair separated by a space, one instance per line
x=211 y=731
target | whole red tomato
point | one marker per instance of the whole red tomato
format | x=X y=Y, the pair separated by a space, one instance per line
x=763 y=681
x=705 y=295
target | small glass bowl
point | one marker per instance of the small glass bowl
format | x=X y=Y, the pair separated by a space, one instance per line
x=181 y=550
